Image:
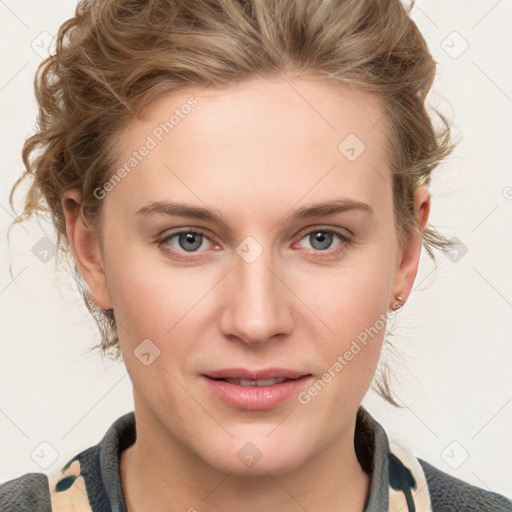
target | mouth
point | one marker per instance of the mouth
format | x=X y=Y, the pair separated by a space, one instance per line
x=261 y=382
x=255 y=375
x=256 y=389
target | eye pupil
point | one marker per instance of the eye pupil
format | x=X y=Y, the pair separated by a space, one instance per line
x=323 y=237
x=188 y=238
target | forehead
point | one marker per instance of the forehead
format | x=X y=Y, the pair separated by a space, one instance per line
x=267 y=140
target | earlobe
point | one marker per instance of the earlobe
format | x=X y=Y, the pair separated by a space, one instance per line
x=408 y=265
x=85 y=249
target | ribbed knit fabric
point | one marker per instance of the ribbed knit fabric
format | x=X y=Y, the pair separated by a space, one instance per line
x=449 y=494
x=99 y=467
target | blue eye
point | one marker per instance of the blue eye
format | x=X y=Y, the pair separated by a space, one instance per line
x=322 y=238
x=191 y=240
x=188 y=241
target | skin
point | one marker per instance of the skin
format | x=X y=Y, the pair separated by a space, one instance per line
x=255 y=153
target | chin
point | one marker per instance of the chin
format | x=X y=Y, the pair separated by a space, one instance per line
x=245 y=459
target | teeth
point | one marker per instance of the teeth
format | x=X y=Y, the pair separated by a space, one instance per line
x=262 y=382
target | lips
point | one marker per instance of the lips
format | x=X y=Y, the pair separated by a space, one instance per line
x=255 y=389
x=266 y=373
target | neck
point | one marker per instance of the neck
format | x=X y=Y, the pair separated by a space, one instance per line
x=153 y=477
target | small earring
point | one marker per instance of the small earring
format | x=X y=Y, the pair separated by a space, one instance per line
x=399 y=304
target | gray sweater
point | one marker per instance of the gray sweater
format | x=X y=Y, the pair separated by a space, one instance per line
x=99 y=468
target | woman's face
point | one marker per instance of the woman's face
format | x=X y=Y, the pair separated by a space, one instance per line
x=257 y=285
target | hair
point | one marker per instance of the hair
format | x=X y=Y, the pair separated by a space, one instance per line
x=115 y=57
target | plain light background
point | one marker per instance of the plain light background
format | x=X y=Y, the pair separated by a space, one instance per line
x=454 y=334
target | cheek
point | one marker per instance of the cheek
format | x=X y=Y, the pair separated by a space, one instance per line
x=353 y=296
x=152 y=299
x=351 y=356
x=355 y=307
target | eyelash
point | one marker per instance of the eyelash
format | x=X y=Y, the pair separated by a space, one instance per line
x=345 y=240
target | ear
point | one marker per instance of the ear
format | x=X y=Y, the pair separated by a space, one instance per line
x=409 y=258
x=85 y=249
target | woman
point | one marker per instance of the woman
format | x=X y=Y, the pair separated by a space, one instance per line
x=243 y=187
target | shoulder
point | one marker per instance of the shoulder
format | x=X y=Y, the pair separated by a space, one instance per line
x=27 y=493
x=409 y=477
x=450 y=494
x=90 y=480
x=38 y=492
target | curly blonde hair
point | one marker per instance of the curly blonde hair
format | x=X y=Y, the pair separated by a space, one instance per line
x=115 y=57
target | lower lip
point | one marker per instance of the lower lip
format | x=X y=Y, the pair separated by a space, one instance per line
x=256 y=397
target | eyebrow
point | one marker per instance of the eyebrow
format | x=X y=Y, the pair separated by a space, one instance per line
x=305 y=212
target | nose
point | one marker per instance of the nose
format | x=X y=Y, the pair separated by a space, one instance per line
x=258 y=306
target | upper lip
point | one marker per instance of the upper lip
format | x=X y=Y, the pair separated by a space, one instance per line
x=264 y=373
